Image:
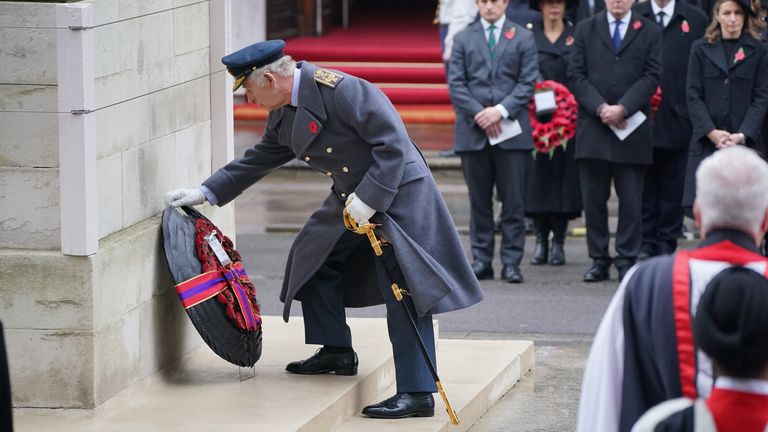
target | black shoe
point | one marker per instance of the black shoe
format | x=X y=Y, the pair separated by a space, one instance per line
x=511 y=273
x=402 y=405
x=557 y=254
x=541 y=251
x=482 y=270
x=596 y=273
x=325 y=362
x=623 y=272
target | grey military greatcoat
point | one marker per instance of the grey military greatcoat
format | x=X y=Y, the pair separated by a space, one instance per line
x=347 y=129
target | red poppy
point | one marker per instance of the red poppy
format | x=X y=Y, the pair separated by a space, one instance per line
x=510 y=34
x=685 y=27
x=739 y=56
x=547 y=137
x=637 y=24
x=655 y=101
x=569 y=40
x=313 y=127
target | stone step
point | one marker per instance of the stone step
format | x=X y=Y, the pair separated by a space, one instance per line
x=202 y=393
x=475 y=374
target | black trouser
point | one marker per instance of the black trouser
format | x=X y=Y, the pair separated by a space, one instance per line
x=506 y=170
x=662 y=198
x=322 y=304
x=595 y=177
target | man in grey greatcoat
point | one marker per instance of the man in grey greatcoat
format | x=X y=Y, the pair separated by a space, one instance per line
x=491 y=79
x=347 y=129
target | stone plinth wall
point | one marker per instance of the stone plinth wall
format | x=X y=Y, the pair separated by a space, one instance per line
x=79 y=329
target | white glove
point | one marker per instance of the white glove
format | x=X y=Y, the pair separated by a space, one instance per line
x=184 y=197
x=359 y=210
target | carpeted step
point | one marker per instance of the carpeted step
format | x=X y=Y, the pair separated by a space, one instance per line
x=426 y=73
x=427 y=114
x=424 y=94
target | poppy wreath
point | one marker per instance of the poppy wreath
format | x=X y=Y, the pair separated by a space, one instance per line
x=210 y=262
x=548 y=136
x=655 y=101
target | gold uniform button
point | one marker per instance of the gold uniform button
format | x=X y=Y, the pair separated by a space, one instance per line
x=345 y=169
x=329 y=150
x=329 y=173
x=306 y=158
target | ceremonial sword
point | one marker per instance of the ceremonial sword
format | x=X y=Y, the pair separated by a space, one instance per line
x=400 y=294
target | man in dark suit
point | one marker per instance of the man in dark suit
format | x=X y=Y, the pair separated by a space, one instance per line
x=492 y=74
x=614 y=70
x=681 y=24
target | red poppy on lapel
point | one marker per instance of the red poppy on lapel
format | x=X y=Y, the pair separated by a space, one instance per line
x=569 y=40
x=313 y=127
x=739 y=56
x=510 y=34
x=637 y=24
x=684 y=27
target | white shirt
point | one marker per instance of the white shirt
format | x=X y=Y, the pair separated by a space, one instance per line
x=624 y=24
x=668 y=10
x=497 y=31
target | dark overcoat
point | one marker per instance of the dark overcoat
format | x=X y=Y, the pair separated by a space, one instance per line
x=553 y=183
x=672 y=124
x=597 y=75
x=731 y=95
x=352 y=133
x=477 y=82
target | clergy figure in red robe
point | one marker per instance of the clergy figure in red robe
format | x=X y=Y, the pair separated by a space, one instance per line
x=644 y=352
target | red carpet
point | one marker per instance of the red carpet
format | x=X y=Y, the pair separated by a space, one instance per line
x=380 y=36
x=396 y=48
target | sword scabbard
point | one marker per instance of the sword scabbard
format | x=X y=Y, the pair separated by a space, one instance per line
x=448 y=408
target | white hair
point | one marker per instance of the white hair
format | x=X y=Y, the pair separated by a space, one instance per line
x=283 y=66
x=732 y=190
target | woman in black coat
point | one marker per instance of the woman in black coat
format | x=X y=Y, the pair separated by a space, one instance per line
x=553 y=196
x=727 y=90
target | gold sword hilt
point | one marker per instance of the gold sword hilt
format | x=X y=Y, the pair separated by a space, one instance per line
x=366 y=229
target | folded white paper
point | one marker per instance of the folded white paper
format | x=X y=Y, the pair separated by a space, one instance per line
x=633 y=122
x=509 y=129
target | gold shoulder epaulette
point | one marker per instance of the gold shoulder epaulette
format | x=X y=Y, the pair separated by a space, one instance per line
x=326 y=77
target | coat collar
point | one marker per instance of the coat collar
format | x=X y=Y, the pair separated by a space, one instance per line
x=310 y=113
x=505 y=40
x=478 y=36
x=632 y=31
x=739 y=238
x=644 y=9
x=543 y=45
x=714 y=51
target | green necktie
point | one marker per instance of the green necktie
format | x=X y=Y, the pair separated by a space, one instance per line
x=492 y=40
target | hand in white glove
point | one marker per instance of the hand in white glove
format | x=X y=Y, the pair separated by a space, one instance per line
x=184 y=197
x=359 y=210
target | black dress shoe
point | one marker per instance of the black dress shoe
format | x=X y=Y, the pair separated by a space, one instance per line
x=557 y=254
x=325 y=362
x=596 y=273
x=623 y=272
x=402 y=405
x=511 y=273
x=482 y=270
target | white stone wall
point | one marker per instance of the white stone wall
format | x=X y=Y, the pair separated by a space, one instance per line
x=79 y=329
x=29 y=157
